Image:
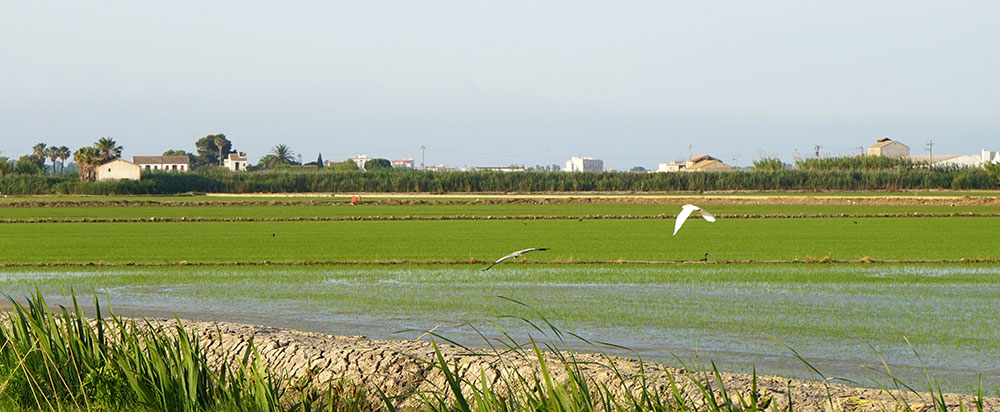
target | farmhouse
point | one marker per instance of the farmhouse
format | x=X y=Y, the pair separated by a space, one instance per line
x=118 y=169
x=702 y=163
x=888 y=148
x=236 y=161
x=166 y=163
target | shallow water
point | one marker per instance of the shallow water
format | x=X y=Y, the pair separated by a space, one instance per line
x=841 y=318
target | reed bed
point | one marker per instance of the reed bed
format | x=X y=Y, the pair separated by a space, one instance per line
x=60 y=360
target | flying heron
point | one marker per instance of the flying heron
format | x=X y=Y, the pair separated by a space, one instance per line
x=686 y=211
x=515 y=255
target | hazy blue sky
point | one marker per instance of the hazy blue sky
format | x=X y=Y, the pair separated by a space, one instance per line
x=501 y=82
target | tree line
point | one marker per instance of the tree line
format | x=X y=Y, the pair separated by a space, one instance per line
x=393 y=180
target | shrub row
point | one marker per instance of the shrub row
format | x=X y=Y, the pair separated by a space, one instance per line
x=297 y=181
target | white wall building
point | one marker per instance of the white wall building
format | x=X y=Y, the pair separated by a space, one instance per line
x=888 y=148
x=165 y=163
x=584 y=164
x=990 y=157
x=119 y=169
x=673 y=166
x=236 y=162
x=360 y=160
x=949 y=160
x=402 y=163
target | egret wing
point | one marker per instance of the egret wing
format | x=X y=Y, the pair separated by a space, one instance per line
x=708 y=216
x=681 y=217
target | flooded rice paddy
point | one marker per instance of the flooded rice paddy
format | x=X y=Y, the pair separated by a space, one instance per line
x=845 y=319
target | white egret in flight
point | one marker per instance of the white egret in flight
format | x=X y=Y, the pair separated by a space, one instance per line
x=686 y=211
x=514 y=256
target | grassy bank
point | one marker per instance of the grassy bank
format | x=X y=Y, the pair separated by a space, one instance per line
x=61 y=361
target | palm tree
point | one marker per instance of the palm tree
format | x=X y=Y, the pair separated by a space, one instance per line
x=52 y=153
x=87 y=159
x=108 y=148
x=64 y=154
x=220 y=142
x=38 y=151
x=281 y=155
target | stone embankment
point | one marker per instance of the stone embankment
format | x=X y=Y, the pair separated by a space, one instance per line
x=403 y=369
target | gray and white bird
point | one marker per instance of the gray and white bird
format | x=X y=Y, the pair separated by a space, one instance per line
x=515 y=255
x=686 y=211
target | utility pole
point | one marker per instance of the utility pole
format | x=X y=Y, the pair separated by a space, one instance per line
x=690 y=153
x=930 y=151
x=422 y=147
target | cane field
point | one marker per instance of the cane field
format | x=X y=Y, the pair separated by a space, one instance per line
x=848 y=282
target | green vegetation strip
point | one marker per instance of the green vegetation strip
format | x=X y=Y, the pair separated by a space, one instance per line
x=595 y=240
x=475 y=210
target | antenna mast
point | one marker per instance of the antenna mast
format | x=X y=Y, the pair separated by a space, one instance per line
x=422 y=147
x=930 y=151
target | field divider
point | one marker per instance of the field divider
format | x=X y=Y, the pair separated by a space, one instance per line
x=475 y=262
x=156 y=219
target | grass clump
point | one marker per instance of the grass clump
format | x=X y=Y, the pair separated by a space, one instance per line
x=60 y=360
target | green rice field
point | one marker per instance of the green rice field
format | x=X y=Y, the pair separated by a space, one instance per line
x=933 y=278
x=919 y=239
x=840 y=317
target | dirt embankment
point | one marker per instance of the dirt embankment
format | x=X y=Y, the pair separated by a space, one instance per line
x=397 y=367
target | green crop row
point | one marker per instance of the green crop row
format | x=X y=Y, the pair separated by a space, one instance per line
x=912 y=238
x=478 y=210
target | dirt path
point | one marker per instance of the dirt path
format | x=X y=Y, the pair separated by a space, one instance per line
x=395 y=366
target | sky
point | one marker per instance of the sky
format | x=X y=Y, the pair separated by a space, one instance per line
x=495 y=83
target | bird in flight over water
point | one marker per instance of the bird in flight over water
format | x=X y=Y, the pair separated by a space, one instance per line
x=515 y=255
x=686 y=211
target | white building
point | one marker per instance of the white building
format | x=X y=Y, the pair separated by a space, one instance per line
x=584 y=164
x=949 y=160
x=360 y=160
x=990 y=157
x=673 y=166
x=166 y=163
x=402 y=163
x=888 y=148
x=499 y=169
x=119 y=169
x=236 y=161
x=701 y=163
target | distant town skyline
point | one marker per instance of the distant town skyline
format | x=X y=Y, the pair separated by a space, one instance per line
x=482 y=83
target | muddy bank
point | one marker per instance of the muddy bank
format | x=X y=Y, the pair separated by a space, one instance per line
x=397 y=367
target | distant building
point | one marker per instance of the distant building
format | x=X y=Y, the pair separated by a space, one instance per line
x=702 y=163
x=584 y=164
x=706 y=163
x=888 y=148
x=439 y=168
x=360 y=160
x=119 y=169
x=165 y=163
x=673 y=166
x=500 y=169
x=949 y=160
x=406 y=163
x=990 y=157
x=236 y=162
